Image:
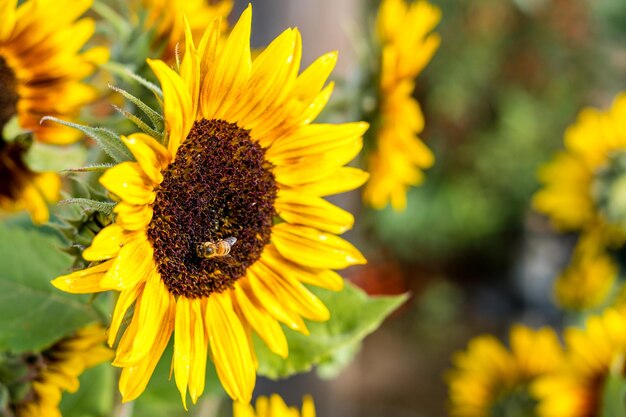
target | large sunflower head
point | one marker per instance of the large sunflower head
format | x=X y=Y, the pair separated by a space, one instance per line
x=41 y=70
x=490 y=381
x=398 y=156
x=167 y=19
x=274 y=406
x=57 y=369
x=575 y=390
x=583 y=185
x=218 y=230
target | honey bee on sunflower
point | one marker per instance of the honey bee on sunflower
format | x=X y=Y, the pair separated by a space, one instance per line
x=240 y=167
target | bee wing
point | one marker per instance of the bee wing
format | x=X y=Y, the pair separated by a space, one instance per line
x=230 y=240
x=229 y=260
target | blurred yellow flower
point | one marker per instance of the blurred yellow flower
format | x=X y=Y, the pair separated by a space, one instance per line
x=582 y=184
x=588 y=280
x=576 y=389
x=197 y=245
x=274 y=407
x=399 y=156
x=490 y=381
x=167 y=18
x=59 y=369
x=40 y=73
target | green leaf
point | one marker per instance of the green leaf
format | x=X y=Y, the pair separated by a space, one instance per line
x=162 y=399
x=33 y=314
x=94 y=398
x=332 y=344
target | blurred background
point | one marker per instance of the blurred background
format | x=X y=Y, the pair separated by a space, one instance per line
x=508 y=78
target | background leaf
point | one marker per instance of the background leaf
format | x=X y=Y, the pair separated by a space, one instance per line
x=33 y=314
x=95 y=396
x=332 y=344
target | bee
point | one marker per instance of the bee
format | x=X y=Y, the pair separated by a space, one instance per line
x=219 y=249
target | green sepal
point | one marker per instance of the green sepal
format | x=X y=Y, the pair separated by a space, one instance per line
x=109 y=141
x=12 y=130
x=90 y=168
x=153 y=115
x=331 y=344
x=104 y=207
x=139 y=123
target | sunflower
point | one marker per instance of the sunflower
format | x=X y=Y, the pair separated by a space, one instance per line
x=399 y=156
x=57 y=369
x=582 y=184
x=274 y=407
x=216 y=233
x=589 y=279
x=167 y=18
x=40 y=72
x=490 y=381
x=576 y=389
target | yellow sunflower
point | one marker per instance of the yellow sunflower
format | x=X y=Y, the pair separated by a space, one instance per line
x=588 y=280
x=217 y=232
x=582 y=184
x=576 y=389
x=399 y=156
x=40 y=72
x=274 y=407
x=490 y=381
x=167 y=18
x=58 y=369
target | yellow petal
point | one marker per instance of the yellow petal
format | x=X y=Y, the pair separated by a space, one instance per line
x=133 y=217
x=153 y=308
x=229 y=347
x=269 y=298
x=295 y=295
x=135 y=377
x=129 y=183
x=225 y=79
x=315 y=249
x=150 y=154
x=177 y=105
x=342 y=180
x=182 y=347
x=7 y=11
x=84 y=281
x=132 y=265
x=262 y=322
x=199 y=351
x=313 y=211
x=324 y=278
x=125 y=300
x=106 y=244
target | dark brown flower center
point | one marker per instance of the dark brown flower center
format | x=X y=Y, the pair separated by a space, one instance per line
x=220 y=186
x=13 y=171
x=8 y=94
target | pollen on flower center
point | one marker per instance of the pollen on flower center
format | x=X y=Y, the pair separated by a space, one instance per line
x=219 y=186
x=8 y=94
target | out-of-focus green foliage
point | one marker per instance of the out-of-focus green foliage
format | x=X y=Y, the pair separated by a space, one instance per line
x=508 y=79
x=33 y=314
